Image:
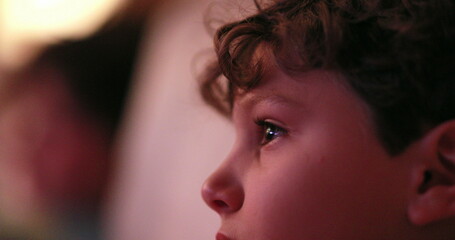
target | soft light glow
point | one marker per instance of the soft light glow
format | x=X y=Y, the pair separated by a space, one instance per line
x=27 y=24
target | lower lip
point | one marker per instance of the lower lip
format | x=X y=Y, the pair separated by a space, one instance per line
x=220 y=236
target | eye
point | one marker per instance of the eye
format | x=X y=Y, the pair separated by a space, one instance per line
x=269 y=131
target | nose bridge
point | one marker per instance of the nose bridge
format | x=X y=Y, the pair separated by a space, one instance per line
x=223 y=189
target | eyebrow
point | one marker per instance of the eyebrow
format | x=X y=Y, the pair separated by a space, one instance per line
x=252 y=99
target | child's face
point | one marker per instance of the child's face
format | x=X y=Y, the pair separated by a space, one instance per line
x=307 y=165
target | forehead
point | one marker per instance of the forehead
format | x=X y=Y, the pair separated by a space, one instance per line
x=278 y=87
x=316 y=90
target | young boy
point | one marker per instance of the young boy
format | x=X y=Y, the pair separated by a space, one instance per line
x=344 y=112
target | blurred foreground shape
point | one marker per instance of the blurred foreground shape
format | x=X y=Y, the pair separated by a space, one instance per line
x=59 y=116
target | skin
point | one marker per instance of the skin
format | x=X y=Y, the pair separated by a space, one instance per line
x=314 y=170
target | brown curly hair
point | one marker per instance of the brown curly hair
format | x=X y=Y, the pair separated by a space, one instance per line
x=397 y=55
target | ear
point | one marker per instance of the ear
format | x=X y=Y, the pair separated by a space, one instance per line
x=434 y=177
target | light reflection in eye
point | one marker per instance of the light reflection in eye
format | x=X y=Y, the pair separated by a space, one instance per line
x=269 y=131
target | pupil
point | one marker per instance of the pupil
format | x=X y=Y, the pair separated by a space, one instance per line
x=270 y=133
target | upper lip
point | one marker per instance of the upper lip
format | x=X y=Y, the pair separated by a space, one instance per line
x=221 y=236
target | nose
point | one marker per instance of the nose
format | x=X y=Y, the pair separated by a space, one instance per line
x=223 y=192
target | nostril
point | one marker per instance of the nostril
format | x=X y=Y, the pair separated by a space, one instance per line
x=220 y=204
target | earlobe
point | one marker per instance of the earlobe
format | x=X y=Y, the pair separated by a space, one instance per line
x=435 y=177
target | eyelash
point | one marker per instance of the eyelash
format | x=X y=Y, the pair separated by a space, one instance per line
x=266 y=128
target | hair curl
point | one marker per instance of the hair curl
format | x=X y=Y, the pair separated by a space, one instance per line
x=397 y=55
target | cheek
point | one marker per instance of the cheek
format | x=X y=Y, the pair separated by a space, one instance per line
x=322 y=192
x=287 y=204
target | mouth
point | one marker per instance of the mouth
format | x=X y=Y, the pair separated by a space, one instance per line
x=220 y=236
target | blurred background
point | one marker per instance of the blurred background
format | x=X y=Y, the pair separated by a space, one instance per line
x=102 y=132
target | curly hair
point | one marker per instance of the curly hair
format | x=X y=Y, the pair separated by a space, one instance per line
x=397 y=55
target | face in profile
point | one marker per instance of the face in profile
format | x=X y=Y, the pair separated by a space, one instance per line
x=306 y=164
